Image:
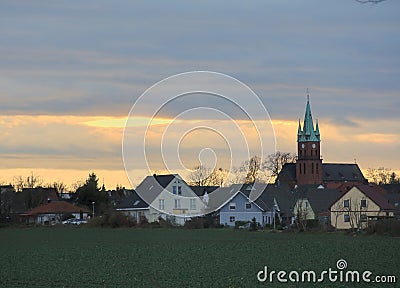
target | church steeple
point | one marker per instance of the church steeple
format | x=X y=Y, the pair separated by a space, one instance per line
x=308 y=134
x=309 y=162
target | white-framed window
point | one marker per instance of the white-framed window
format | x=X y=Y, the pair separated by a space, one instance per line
x=177 y=203
x=248 y=205
x=179 y=190
x=306 y=203
x=232 y=219
x=346 y=217
x=174 y=190
x=346 y=203
x=161 y=204
x=232 y=206
x=192 y=204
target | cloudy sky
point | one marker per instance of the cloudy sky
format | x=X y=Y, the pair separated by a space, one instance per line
x=71 y=71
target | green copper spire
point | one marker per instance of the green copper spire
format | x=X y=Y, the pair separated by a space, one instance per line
x=308 y=133
x=299 y=132
x=317 y=130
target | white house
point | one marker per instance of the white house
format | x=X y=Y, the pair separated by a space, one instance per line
x=163 y=196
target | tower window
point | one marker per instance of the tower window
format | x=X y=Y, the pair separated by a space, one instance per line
x=316 y=168
x=300 y=168
x=304 y=168
x=312 y=168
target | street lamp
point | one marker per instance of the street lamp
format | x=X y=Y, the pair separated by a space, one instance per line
x=93 y=208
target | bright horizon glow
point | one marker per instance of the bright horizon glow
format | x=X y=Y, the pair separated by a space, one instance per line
x=70 y=169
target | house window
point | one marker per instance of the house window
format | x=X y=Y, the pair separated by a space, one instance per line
x=177 y=203
x=179 y=190
x=363 y=218
x=306 y=203
x=174 y=190
x=346 y=203
x=363 y=203
x=232 y=219
x=232 y=206
x=248 y=205
x=161 y=204
x=346 y=218
x=192 y=204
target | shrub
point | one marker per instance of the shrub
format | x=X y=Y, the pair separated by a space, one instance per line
x=254 y=224
x=113 y=220
x=384 y=227
x=195 y=223
x=240 y=223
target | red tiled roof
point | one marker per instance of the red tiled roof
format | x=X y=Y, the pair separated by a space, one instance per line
x=378 y=189
x=57 y=207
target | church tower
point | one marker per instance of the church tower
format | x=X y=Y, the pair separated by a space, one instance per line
x=309 y=162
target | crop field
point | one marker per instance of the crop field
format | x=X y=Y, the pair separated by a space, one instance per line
x=89 y=257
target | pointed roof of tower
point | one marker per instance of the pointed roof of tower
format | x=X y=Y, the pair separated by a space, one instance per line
x=317 y=130
x=299 y=132
x=308 y=133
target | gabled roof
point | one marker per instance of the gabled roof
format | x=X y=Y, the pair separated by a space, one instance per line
x=133 y=201
x=200 y=190
x=150 y=187
x=281 y=194
x=164 y=180
x=375 y=196
x=342 y=172
x=220 y=197
x=331 y=172
x=287 y=173
x=57 y=207
x=320 y=199
x=391 y=188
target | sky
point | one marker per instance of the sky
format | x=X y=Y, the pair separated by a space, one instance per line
x=70 y=73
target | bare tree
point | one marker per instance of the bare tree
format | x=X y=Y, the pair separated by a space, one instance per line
x=380 y=175
x=203 y=176
x=275 y=161
x=58 y=185
x=337 y=210
x=301 y=213
x=252 y=169
x=32 y=181
x=199 y=175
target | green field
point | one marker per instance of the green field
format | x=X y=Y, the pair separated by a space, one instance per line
x=89 y=257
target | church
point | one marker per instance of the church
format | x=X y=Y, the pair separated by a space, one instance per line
x=309 y=167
